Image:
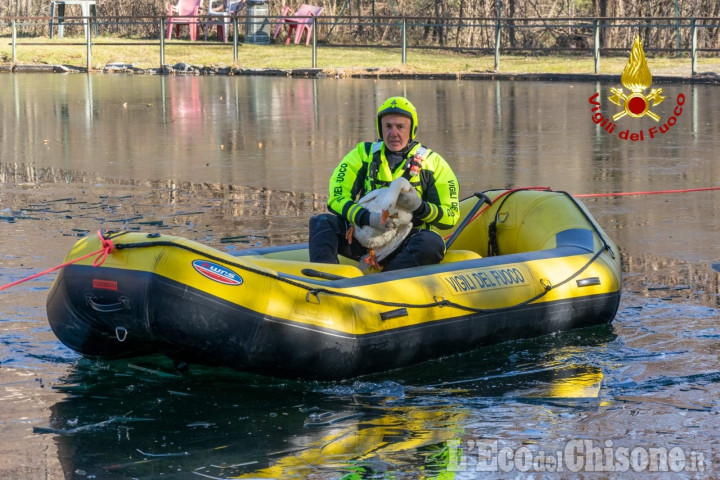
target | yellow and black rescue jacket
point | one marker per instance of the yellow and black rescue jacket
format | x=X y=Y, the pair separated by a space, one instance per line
x=366 y=168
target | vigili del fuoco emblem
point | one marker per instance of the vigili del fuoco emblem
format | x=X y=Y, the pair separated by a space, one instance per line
x=636 y=77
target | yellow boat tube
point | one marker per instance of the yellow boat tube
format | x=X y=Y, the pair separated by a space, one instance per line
x=532 y=263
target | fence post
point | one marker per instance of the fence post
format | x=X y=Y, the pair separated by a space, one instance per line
x=14 y=41
x=235 y=38
x=88 y=42
x=314 y=41
x=596 y=44
x=497 y=44
x=693 y=36
x=404 y=40
x=677 y=23
x=162 y=42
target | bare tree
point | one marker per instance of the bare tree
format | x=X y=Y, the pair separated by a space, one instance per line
x=470 y=32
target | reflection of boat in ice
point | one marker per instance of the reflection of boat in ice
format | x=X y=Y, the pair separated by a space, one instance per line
x=270 y=311
x=224 y=424
x=431 y=433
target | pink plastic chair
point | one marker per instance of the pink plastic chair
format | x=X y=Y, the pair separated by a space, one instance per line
x=295 y=21
x=184 y=8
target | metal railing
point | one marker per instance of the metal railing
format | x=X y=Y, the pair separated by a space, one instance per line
x=492 y=36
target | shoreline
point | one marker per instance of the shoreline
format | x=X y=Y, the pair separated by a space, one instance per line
x=356 y=73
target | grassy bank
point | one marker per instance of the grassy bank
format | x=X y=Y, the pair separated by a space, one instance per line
x=72 y=52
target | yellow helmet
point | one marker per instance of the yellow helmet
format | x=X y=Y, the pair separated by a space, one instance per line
x=401 y=106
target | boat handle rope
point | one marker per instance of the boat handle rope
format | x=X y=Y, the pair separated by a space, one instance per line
x=312 y=293
x=121 y=334
x=123 y=303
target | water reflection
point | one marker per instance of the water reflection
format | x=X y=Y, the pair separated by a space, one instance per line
x=141 y=418
x=185 y=103
x=289 y=134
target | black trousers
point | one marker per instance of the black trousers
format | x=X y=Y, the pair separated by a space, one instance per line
x=327 y=240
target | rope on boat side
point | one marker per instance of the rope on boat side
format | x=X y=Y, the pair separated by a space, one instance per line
x=315 y=291
x=107 y=248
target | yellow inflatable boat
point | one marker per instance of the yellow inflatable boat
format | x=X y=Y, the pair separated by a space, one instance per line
x=532 y=263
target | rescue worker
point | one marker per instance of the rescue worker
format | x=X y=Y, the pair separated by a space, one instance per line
x=371 y=165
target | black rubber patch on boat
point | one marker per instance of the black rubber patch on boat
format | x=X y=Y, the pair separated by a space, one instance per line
x=587 y=282
x=400 y=312
x=309 y=272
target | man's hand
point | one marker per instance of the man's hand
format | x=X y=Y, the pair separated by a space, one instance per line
x=376 y=221
x=409 y=201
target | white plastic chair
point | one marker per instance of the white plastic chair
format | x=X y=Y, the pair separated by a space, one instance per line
x=221 y=13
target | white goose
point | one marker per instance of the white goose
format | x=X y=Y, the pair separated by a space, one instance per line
x=382 y=243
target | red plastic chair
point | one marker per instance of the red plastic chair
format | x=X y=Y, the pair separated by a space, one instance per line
x=300 y=21
x=184 y=13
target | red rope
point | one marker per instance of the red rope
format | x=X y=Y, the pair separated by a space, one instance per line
x=655 y=192
x=107 y=244
x=596 y=195
x=107 y=248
